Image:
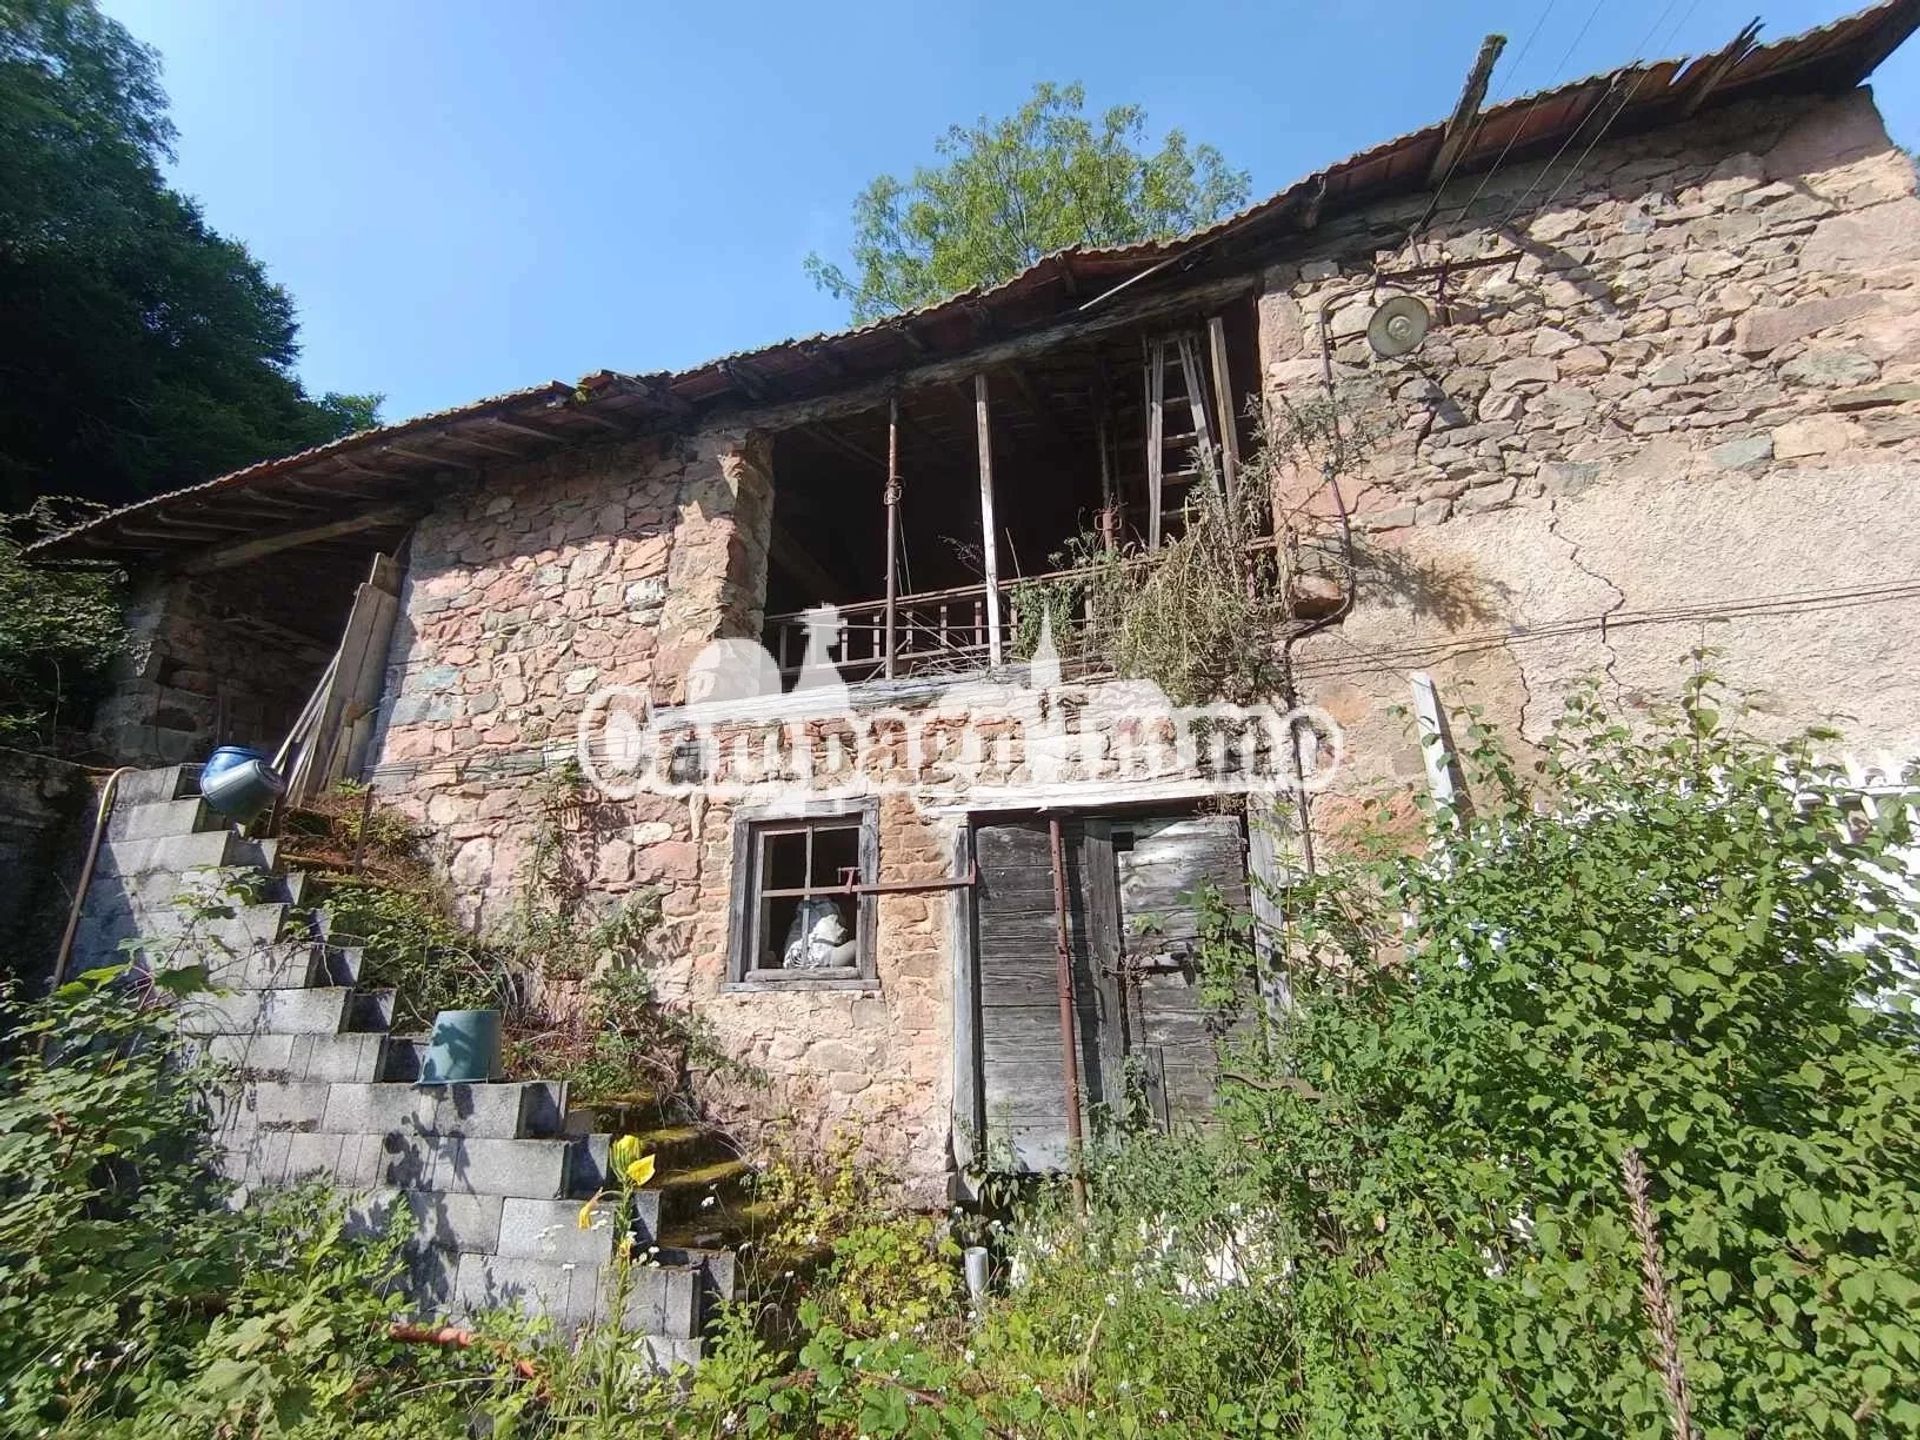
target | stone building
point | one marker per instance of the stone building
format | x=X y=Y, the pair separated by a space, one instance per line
x=1669 y=393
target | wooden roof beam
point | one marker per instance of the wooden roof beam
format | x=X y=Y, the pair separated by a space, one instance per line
x=829 y=436
x=902 y=327
x=222 y=557
x=746 y=379
x=1717 y=66
x=1465 y=119
x=531 y=432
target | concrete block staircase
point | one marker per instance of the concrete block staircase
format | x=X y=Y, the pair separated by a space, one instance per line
x=486 y=1179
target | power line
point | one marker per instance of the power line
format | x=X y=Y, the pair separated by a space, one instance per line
x=1640 y=69
x=1525 y=120
x=526 y=761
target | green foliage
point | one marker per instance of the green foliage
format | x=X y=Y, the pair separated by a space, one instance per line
x=142 y=349
x=414 y=947
x=1007 y=192
x=838 y=1239
x=60 y=631
x=1700 y=952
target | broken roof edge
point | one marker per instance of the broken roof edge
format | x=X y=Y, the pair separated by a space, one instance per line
x=1833 y=57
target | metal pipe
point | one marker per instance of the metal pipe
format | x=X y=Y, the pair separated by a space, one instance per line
x=101 y=816
x=892 y=497
x=1069 y=1049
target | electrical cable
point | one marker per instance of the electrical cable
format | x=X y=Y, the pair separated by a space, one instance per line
x=1361 y=660
x=1639 y=68
x=1521 y=128
x=1513 y=71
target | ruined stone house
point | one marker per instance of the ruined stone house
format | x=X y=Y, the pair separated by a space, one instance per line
x=1669 y=394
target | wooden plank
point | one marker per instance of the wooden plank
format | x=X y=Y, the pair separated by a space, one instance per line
x=1268 y=875
x=969 y=1110
x=315 y=768
x=1432 y=731
x=221 y=557
x=1223 y=400
x=989 y=545
x=1170 y=857
x=1156 y=437
x=1464 y=121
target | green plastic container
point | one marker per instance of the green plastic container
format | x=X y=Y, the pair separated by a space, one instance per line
x=463 y=1048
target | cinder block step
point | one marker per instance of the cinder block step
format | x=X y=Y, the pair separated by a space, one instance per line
x=550 y=1230
x=181 y=855
x=404 y=1058
x=154 y=819
x=371 y=1011
x=533 y=1169
x=660 y=1301
x=269 y=1105
x=280 y=965
x=320 y=1011
x=146 y=786
x=494 y=1111
x=463 y=1224
x=328 y=1058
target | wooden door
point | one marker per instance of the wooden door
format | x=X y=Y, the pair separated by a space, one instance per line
x=1130 y=931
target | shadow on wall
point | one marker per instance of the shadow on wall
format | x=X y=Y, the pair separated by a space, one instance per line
x=1449 y=591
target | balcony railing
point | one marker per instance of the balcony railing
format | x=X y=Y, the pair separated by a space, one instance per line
x=937 y=632
x=944 y=632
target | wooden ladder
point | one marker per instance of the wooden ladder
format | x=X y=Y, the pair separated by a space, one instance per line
x=1178 y=424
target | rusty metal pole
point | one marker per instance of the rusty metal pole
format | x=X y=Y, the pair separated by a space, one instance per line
x=892 y=497
x=1069 y=1049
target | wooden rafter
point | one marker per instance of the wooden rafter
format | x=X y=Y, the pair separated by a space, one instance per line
x=1465 y=119
x=1717 y=66
x=225 y=556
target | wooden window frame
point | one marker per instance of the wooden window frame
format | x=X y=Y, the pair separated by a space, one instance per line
x=747 y=902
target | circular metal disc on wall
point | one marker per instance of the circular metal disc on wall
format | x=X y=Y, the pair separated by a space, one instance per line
x=1398 y=326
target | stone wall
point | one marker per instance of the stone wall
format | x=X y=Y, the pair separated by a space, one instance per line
x=613 y=567
x=225 y=658
x=45 y=808
x=1694 y=398
x=1689 y=413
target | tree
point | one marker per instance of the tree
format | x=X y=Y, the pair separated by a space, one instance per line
x=142 y=349
x=1011 y=191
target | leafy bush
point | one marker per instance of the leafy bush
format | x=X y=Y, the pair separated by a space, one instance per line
x=1693 y=962
x=837 y=1238
x=414 y=947
x=60 y=631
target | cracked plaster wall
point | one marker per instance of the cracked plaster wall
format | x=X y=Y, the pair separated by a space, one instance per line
x=1690 y=414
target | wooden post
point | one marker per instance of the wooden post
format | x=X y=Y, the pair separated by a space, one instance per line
x=989 y=548
x=1223 y=400
x=892 y=497
x=1069 y=1040
x=1104 y=439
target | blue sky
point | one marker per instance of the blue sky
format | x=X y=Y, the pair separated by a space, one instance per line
x=469 y=197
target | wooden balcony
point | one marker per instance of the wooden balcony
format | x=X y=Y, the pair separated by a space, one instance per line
x=938 y=632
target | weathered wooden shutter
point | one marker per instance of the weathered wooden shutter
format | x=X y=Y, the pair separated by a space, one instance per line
x=1022 y=1087
x=1160 y=864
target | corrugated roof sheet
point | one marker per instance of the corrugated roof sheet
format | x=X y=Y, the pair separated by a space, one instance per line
x=391 y=460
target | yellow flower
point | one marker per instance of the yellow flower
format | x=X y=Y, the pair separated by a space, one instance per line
x=639 y=1172
x=586 y=1211
x=626 y=1150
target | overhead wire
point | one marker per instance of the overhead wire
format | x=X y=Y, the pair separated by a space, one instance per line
x=1358 y=659
x=1619 y=110
x=1639 y=68
x=1513 y=71
x=1539 y=95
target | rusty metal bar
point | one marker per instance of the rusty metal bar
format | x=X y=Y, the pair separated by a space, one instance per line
x=892 y=497
x=877 y=887
x=1069 y=1048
